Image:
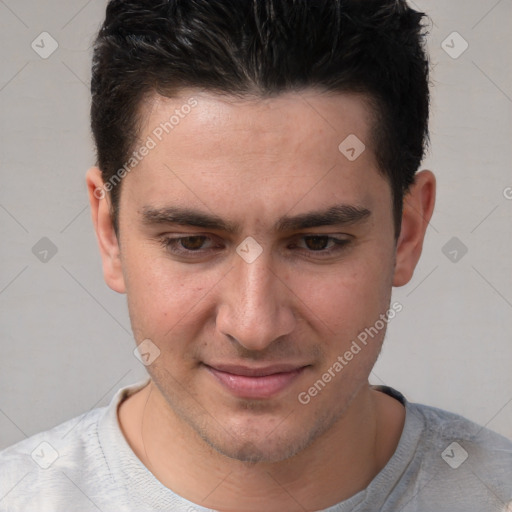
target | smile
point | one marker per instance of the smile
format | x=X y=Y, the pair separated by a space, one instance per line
x=264 y=382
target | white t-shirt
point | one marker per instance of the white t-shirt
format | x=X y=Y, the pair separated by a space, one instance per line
x=443 y=463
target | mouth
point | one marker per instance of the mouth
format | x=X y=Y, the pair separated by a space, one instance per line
x=255 y=382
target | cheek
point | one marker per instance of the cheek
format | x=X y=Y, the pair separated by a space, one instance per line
x=346 y=300
x=164 y=296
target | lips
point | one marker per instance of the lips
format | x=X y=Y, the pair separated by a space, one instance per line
x=255 y=382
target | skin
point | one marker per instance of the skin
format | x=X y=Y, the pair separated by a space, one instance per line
x=250 y=162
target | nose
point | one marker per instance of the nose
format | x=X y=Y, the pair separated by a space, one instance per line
x=256 y=305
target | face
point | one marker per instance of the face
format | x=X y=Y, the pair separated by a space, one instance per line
x=253 y=253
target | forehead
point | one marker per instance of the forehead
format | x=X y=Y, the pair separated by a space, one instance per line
x=311 y=118
x=220 y=150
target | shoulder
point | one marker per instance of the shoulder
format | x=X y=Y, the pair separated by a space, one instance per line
x=66 y=468
x=52 y=464
x=460 y=462
x=45 y=448
x=441 y=427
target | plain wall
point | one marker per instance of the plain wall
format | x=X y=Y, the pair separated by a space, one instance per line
x=66 y=344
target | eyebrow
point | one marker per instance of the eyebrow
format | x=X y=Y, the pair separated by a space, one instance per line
x=338 y=215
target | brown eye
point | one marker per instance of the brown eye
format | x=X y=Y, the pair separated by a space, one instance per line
x=193 y=246
x=316 y=243
x=321 y=246
x=192 y=243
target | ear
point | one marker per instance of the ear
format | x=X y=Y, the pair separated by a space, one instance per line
x=417 y=211
x=99 y=200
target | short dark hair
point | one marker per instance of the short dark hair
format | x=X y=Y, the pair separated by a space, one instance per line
x=263 y=48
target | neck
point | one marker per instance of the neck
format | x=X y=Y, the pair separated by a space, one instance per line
x=333 y=468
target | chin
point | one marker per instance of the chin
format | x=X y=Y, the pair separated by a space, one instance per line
x=261 y=451
x=264 y=444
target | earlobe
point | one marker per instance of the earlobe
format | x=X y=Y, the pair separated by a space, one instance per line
x=99 y=201
x=417 y=212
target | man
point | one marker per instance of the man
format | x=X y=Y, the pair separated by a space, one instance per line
x=256 y=198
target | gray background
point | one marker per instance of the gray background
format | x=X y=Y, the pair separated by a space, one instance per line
x=65 y=343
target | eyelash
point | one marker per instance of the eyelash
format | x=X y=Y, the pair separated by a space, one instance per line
x=170 y=244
